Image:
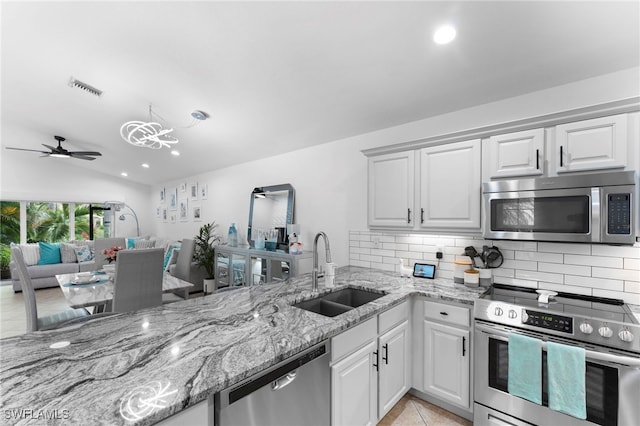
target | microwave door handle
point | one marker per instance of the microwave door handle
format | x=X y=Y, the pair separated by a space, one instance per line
x=597 y=226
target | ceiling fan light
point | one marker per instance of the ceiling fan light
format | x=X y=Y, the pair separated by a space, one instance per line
x=445 y=34
x=60 y=155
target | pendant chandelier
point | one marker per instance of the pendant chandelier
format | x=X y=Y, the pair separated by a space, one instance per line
x=149 y=134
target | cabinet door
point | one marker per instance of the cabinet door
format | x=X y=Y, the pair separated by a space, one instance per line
x=600 y=143
x=354 y=389
x=393 y=377
x=446 y=363
x=450 y=186
x=515 y=154
x=391 y=183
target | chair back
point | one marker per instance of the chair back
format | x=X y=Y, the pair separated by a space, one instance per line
x=100 y=244
x=28 y=293
x=138 y=279
x=185 y=256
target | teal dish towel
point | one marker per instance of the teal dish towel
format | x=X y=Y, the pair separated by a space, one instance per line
x=566 y=369
x=525 y=367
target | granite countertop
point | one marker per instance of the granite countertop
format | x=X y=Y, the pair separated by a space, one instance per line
x=181 y=352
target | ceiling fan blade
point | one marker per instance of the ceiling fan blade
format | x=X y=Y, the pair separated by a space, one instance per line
x=32 y=150
x=81 y=157
x=96 y=153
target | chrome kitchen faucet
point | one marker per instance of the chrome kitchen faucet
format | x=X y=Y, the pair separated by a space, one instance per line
x=314 y=275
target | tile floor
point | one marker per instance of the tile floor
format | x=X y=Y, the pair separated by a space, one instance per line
x=409 y=411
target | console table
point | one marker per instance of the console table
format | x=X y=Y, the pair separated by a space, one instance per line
x=238 y=266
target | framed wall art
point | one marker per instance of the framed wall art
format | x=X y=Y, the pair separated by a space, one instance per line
x=204 y=191
x=196 y=213
x=193 y=191
x=172 y=196
x=183 y=209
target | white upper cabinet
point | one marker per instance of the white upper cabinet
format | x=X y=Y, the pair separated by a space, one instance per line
x=596 y=144
x=391 y=190
x=450 y=181
x=514 y=154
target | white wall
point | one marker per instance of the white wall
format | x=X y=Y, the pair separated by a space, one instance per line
x=330 y=179
x=27 y=176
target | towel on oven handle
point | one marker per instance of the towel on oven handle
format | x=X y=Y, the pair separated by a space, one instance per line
x=525 y=367
x=566 y=371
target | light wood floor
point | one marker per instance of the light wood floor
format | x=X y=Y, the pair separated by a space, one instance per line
x=409 y=411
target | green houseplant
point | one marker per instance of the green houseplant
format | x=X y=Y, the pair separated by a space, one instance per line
x=5 y=260
x=206 y=240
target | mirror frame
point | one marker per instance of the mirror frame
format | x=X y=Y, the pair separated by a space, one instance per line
x=290 y=202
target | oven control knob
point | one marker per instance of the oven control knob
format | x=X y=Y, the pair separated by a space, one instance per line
x=605 y=331
x=498 y=312
x=625 y=335
x=525 y=316
x=586 y=328
x=512 y=314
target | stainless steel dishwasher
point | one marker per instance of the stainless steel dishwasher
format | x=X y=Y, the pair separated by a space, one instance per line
x=293 y=392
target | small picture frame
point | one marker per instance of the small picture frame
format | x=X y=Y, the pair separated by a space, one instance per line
x=193 y=191
x=158 y=212
x=424 y=270
x=196 y=213
x=165 y=216
x=163 y=195
x=172 y=217
x=173 y=199
x=183 y=209
x=204 y=191
x=183 y=187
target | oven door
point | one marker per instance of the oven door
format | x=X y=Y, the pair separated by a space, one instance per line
x=612 y=383
x=545 y=215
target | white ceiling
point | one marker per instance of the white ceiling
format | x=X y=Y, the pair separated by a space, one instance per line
x=280 y=76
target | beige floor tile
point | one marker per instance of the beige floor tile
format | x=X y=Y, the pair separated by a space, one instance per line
x=434 y=415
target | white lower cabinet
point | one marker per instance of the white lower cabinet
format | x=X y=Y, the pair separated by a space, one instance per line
x=446 y=361
x=370 y=368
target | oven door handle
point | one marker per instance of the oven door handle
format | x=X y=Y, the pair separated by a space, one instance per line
x=589 y=355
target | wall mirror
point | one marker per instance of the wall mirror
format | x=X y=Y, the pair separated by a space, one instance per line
x=271 y=207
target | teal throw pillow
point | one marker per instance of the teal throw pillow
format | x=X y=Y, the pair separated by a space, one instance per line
x=131 y=242
x=83 y=253
x=167 y=257
x=49 y=253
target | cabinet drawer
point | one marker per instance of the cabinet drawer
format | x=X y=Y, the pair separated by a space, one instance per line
x=353 y=338
x=389 y=319
x=446 y=313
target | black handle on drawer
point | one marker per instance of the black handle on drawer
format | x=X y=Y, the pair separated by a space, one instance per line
x=463 y=348
x=444 y=313
x=408 y=215
x=421 y=215
x=560 y=155
x=375 y=364
x=537 y=159
x=385 y=357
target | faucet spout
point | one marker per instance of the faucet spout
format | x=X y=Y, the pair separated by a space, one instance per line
x=314 y=274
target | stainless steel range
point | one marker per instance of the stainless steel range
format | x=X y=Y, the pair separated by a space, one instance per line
x=605 y=328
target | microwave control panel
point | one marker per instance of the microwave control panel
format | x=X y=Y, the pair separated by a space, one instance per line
x=619 y=214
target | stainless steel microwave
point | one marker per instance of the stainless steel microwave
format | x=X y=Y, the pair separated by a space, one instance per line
x=594 y=208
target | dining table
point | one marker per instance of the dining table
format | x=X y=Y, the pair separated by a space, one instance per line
x=100 y=292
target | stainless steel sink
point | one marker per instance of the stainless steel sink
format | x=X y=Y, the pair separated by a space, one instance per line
x=338 y=302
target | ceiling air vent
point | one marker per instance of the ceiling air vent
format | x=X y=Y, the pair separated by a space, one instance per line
x=84 y=86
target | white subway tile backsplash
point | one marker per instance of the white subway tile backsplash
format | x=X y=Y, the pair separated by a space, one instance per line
x=564 y=248
x=616 y=274
x=617 y=251
x=607 y=262
x=574 y=268
x=565 y=269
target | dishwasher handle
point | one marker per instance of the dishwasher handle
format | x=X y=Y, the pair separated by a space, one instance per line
x=284 y=381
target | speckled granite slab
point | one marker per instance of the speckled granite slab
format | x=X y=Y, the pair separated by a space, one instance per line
x=182 y=352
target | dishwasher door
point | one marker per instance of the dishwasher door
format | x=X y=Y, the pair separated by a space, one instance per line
x=294 y=392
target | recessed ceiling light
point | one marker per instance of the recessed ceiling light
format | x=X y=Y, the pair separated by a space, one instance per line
x=175 y=152
x=145 y=165
x=445 y=34
x=124 y=174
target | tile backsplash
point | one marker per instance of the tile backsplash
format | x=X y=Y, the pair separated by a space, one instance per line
x=592 y=269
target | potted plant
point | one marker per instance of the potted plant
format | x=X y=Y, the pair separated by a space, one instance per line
x=204 y=255
x=5 y=260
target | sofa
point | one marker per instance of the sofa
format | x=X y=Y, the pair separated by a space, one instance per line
x=72 y=259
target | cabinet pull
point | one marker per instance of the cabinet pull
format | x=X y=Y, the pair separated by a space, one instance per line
x=560 y=155
x=444 y=313
x=408 y=215
x=421 y=215
x=463 y=348
x=385 y=357
x=537 y=159
x=375 y=364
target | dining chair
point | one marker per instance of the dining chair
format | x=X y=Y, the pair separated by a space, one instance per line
x=138 y=280
x=35 y=322
x=185 y=257
x=100 y=244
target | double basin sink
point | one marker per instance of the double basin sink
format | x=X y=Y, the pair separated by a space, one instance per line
x=338 y=302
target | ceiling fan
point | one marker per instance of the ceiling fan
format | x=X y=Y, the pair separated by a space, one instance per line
x=60 y=152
